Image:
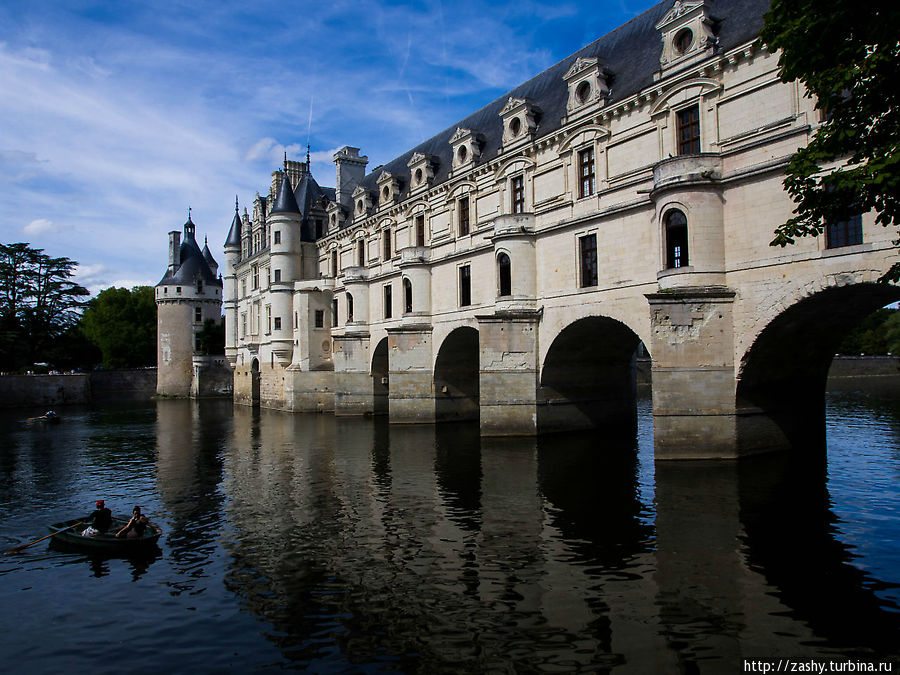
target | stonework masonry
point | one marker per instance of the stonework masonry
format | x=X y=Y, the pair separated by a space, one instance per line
x=512 y=268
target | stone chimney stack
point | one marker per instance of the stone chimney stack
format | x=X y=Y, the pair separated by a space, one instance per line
x=174 y=250
x=349 y=170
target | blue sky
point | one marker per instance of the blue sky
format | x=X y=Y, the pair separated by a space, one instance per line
x=116 y=116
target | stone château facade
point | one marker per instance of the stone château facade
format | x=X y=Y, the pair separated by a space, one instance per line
x=508 y=268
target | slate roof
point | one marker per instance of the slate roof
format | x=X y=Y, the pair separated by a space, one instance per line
x=305 y=195
x=630 y=53
x=193 y=263
x=234 y=234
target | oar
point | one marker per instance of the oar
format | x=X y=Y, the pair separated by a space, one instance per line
x=52 y=534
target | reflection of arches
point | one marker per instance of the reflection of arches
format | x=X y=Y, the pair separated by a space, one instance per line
x=781 y=381
x=504 y=274
x=255 y=395
x=589 y=378
x=456 y=376
x=380 y=378
x=676 y=237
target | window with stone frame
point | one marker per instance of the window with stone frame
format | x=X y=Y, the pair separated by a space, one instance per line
x=504 y=273
x=844 y=232
x=277 y=276
x=276 y=236
x=349 y=308
x=388 y=302
x=255 y=278
x=198 y=315
x=420 y=230
x=465 y=285
x=277 y=323
x=319 y=317
x=243 y=324
x=587 y=253
x=268 y=319
x=517 y=188
x=386 y=237
x=688 y=129
x=586 y=180
x=361 y=252
x=334 y=263
x=334 y=312
x=407 y=296
x=463 y=205
x=676 y=229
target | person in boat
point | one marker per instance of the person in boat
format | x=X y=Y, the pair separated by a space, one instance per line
x=100 y=520
x=136 y=526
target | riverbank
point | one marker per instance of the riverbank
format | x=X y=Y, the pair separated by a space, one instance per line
x=19 y=391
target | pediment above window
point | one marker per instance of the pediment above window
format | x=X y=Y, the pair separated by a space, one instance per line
x=466 y=146
x=421 y=171
x=588 y=86
x=336 y=215
x=519 y=117
x=688 y=34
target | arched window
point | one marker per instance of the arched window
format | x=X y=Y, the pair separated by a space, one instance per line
x=407 y=296
x=349 y=308
x=505 y=273
x=676 y=239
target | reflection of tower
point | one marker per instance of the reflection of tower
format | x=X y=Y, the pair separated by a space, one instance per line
x=188 y=294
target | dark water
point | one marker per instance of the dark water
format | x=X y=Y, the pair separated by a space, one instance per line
x=330 y=545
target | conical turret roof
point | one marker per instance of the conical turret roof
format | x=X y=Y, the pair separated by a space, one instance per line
x=285 y=202
x=234 y=234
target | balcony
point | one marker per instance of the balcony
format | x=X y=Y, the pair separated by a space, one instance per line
x=414 y=255
x=687 y=170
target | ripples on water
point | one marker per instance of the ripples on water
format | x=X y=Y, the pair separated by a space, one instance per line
x=341 y=545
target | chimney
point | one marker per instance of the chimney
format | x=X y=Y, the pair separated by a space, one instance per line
x=174 y=250
x=349 y=170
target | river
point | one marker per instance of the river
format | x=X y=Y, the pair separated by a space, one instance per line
x=325 y=545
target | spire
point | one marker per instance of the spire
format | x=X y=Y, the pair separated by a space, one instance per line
x=285 y=201
x=307 y=156
x=234 y=234
x=189 y=226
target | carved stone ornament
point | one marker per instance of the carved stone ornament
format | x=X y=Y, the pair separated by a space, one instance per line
x=519 y=121
x=587 y=80
x=466 y=147
x=421 y=171
x=686 y=31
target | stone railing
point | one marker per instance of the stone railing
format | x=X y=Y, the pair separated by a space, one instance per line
x=687 y=169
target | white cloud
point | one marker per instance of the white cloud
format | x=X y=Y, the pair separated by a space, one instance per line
x=39 y=226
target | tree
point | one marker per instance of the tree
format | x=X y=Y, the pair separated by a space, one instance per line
x=122 y=323
x=211 y=338
x=848 y=57
x=38 y=303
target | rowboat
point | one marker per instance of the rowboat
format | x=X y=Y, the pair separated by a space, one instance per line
x=46 y=418
x=108 y=543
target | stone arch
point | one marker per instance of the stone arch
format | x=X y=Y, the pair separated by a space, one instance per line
x=381 y=374
x=456 y=376
x=780 y=388
x=588 y=378
x=504 y=273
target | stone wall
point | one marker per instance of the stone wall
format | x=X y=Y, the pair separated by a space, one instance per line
x=54 y=390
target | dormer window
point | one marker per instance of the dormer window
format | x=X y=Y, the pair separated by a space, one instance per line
x=362 y=201
x=687 y=32
x=466 y=148
x=421 y=169
x=588 y=87
x=519 y=118
x=335 y=216
x=388 y=189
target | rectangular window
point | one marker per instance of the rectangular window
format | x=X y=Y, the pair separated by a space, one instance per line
x=320 y=318
x=243 y=288
x=255 y=278
x=517 y=186
x=334 y=264
x=387 y=244
x=198 y=315
x=588 y=257
x=268 y=319
x=334 y=312
x=586 y=172
x=277 y=276
x=178 y=289
x=844 y=233
x=420 y=230
x=296 y=321
x=689 y=131
x=243 y=324
x=465 y=286
x=463 y=216
x=277 y=236
x=277 y=323
x=388 y=305
x=361 y=253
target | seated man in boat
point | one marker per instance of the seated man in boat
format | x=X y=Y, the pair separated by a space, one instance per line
x=136 y=526
x=100 y=520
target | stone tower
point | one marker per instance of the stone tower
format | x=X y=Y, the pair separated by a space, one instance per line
x=189 y=293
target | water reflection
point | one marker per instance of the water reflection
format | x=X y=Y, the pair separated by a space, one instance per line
x=325 y=543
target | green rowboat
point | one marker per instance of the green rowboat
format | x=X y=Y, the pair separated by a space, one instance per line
x=105 y=543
